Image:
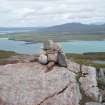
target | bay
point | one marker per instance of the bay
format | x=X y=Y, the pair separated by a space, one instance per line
x=69 y=47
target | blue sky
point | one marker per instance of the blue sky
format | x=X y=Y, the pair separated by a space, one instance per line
x=22 y=13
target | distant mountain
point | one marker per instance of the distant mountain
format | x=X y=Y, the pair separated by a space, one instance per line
x=75 y=28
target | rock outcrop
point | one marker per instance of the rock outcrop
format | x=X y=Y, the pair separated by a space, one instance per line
x=28 y=84
x=88 y=82
x=101 y=82
x=93 y=103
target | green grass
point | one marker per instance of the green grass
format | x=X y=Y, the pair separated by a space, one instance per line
x=6 y=54
x=56 y=36
x=87 y=58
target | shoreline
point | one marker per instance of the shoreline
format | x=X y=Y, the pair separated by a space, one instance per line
x=86 y=58
x=58 y=37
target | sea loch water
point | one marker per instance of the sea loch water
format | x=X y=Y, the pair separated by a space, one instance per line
x=69 y=47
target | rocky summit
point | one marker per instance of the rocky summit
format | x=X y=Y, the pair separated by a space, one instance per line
x=28 y=84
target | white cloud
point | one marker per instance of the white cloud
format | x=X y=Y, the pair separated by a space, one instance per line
x=50 y=12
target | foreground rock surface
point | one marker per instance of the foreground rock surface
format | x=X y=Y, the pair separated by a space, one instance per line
x=28 y=84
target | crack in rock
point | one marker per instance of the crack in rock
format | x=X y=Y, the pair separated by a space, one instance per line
x=72 y=71
x=56 y=93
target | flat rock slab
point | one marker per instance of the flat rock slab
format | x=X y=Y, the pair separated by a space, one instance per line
x=89 y=83
x=28 y=84
x=93 y=103
x=74 y=67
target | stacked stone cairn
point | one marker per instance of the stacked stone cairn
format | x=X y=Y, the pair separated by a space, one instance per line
x=52 y=54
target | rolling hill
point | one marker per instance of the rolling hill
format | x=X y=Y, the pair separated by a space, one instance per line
x=76 y=28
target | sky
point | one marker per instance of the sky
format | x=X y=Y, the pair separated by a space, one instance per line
x=39 y=13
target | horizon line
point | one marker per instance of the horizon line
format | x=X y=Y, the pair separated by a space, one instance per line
x=52 y=25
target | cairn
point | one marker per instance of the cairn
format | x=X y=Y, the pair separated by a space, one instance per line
x=52 y=54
